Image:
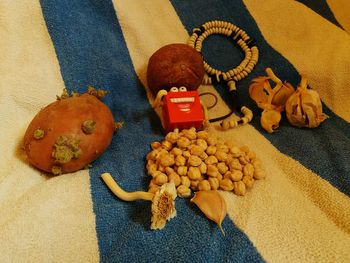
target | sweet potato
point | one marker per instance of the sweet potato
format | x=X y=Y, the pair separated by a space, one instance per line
x=69 y=134
x=175 y=65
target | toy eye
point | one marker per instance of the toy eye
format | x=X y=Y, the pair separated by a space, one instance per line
x=182 y=89
x=174 y=89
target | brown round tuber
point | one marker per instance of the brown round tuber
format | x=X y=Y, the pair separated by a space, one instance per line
x=69 y=134
x=175 y=65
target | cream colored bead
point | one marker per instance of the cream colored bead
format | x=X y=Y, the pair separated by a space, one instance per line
x=222 y=167
x=183 y=142
x=212 y=170
x=176 y=151
x=183 y=191
x=202 y=135
x=235 y=165
x=239 y=188
x=259 y=174
x=194 y=173
x=175 y=177
x=203 y=168
x=185 y=181
x=196 y=150
x=236 y=175
x=166 y=160
x=155 y=145
x=248 y=170
x=160 y=179
x=226 y=185
x=180 y=160
x=182 y=170
x=221 y=156
x=211 y=150
x=167 y=145
x=214 y=183
x=194 y=160
x=248 y=181
x=204 y=185
x=202 y=143
x=211 y=160
x=172 y=137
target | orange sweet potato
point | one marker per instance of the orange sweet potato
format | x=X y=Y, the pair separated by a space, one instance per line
x=69 y=134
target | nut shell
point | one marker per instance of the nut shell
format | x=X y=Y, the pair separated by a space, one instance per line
x=65 y=118
x=175 y=65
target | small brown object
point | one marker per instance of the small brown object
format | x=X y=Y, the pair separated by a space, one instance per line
x=66 y=147
x=175 y=65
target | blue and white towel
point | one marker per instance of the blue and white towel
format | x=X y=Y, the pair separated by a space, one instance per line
x=299 y=213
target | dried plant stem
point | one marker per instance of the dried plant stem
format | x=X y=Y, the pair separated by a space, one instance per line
x=119 y=192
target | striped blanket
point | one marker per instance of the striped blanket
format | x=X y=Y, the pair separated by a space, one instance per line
x=299 y=213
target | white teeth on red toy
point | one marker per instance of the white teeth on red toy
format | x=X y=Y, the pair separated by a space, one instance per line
x=181 y=100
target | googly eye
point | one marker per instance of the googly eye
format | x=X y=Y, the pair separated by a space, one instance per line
x=174 y=89
x=182 y=88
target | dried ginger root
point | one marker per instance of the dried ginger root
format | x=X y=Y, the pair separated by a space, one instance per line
x=201 y=162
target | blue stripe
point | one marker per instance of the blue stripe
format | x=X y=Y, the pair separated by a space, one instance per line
x=321 y=7
x=326 y=149
x=91 y=51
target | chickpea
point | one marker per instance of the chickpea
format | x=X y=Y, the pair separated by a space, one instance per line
x=155 y=173
x=211 y=160
x=152 y=167
x=202 y=143
x=180 y=160
x=235 y=151
x=243 y=159
x=212 y=170
x=211 y=150
x=183 y=142
x=160 y=179
x=229 y=144
x=259 y=173
x=239 y=188
x=202 y=135
x=166 y=160
x=248 y=181
x=211 y=140
x=203 y=156
x=203 y=168
x=186 y=154
x=167 y=145
x=245 y=149
x=251 y=156
x=221 y=156
x=204 y=185
x=152 y=155
x=176 y=151
x=155 y=145
x=226 y=184
x=194 y=160
x=214 y=183
x=235 y=165
x=190 y=134
x=222 y=167
x=183 y=191
x=219 y=177
x=196 y=150
x=152 y=184
x=222 y=148
x=185 y=181
x=172 y=137
x=248 y=170
x=153 y=189
x=176 y=178
x=182 y=170
x=194 y=185
x=169 y=170
x=161 y=168
x=194 y=173
x=257 y=163
x=236 y=175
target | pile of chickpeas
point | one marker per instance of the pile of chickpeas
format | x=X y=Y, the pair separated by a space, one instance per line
x=199 y=161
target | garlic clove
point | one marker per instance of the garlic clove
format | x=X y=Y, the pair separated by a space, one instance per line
x=258 y=90
x=281 y=96
x=212 y=204
x=270 y=120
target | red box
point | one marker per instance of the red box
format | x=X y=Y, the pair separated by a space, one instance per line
x=182 y=110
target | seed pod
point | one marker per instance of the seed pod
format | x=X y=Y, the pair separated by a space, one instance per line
x=212 y=204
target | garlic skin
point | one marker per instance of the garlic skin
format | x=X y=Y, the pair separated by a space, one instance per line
x=304 y=107
x=212 y=204
x=270 y=120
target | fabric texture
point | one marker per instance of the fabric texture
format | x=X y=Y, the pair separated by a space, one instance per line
x=299 y=213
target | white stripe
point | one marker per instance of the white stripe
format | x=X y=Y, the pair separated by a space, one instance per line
x=40 y=219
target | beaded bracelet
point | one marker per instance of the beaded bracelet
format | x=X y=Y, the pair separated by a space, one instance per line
x=248 y=46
